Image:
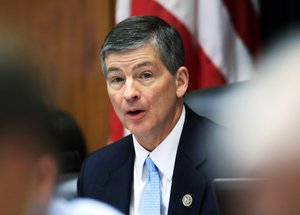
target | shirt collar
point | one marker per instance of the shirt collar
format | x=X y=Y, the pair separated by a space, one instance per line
x=140 y=156
x=164 y=154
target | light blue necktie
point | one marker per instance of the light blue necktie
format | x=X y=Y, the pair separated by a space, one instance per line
x=151 y=196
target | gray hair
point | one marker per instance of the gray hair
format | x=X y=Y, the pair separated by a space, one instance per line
x=137 y=31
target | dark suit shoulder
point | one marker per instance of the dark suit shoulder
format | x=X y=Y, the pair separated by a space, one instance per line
x=193 y=118
x=198 y=128
x=97 y=167
x=112 y=151
x=206 y=140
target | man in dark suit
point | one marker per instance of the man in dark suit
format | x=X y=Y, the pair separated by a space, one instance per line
x=143 y=63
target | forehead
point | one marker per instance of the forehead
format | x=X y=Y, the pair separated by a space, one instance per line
x=146 y=52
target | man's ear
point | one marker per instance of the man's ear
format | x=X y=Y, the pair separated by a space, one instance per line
x=46 y=172
x=182 y=81
x=44 y=177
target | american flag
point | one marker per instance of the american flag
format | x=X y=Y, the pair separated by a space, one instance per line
x=221 y=38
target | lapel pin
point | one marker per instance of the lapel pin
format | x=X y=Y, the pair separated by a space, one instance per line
x=187 y=200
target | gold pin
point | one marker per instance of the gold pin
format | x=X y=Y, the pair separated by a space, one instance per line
x=187 y=200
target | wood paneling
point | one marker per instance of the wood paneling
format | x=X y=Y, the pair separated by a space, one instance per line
x=68 y=34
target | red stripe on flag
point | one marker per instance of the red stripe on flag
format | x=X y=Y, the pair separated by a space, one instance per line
x=246 y=23
x=208 y=75
x=116 y=127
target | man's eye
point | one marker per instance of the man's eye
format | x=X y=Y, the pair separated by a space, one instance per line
x=146 y=75
x=117 y=79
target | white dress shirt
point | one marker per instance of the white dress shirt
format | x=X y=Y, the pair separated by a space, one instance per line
x=163 y=157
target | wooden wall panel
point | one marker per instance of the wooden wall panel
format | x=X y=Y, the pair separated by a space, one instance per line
x=68 y=34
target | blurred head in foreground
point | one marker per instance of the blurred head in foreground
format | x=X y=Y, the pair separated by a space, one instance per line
x=32 y=135
x=271 y=129
x=27 y=162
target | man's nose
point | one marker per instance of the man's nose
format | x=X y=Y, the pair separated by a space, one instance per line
x=131 y=93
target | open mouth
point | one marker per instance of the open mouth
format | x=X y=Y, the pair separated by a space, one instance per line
x=135 y=112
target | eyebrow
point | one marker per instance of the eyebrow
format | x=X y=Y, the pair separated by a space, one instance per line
x=147 y=63
x=113 y=69
x=117 y=69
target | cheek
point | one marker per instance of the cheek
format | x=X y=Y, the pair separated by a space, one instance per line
x=116 y=102
x=163 y=103
x=15 y=193
x=165 y=96
x=115 y=99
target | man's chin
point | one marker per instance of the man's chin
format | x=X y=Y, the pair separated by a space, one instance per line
x=138 y=130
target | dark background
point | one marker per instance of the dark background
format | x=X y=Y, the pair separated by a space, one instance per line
x=278 y=17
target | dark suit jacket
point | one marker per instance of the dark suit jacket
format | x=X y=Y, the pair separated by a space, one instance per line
x=107 y=174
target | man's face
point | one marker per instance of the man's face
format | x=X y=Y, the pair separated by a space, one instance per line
x=145 y=96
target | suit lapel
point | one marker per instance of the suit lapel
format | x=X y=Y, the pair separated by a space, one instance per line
x=120 y=181
x=188 y=176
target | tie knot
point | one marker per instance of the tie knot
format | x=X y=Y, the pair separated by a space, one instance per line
x=150 y=165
